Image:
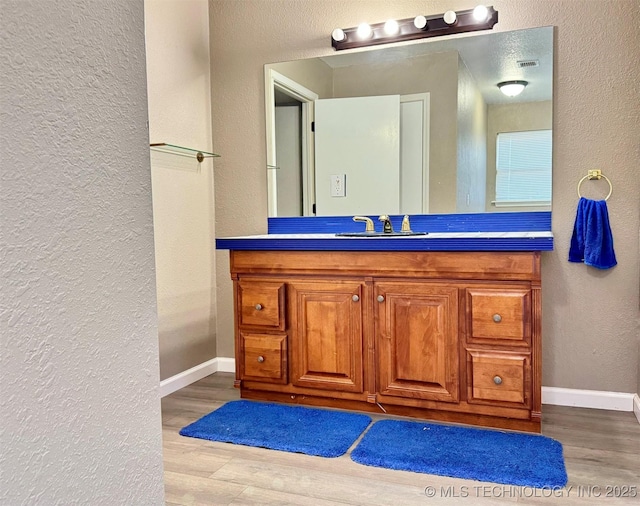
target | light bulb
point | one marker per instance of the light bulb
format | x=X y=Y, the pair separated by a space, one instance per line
x=450 y=17
x=420 y=22
x=364 y=31
x=338 y=35
x=391 y=27
x=480 y=13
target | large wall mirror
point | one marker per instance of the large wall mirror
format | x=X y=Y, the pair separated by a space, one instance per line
x=419 y=128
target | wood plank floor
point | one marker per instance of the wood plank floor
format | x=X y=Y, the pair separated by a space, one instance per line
x=602 y=455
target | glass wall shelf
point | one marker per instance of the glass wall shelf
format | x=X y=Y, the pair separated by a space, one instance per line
x=182 y=151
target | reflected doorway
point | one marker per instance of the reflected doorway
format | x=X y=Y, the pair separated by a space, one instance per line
x=289 y=119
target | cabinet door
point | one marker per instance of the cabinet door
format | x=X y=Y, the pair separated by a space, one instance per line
x=417 y=341
x=326 y=335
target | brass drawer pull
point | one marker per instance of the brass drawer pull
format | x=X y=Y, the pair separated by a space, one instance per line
x=261 y=359
x=497 y=380
x=380 y=298
x=258 y=307
x=355 y=298
x=497 y=318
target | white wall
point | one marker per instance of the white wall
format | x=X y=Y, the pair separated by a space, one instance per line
x=178 y=80
x=79 y=406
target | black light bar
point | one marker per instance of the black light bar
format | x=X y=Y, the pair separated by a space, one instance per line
x=420 y=27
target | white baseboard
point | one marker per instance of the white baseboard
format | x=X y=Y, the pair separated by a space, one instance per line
x=185 y=378
x=226 y=364
x=594 y=399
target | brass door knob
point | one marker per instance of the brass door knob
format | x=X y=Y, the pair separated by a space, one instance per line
x=497 y=318
x=355 y=298
x=380 y=298
x=258 y=307
x=260 y=359
x=497 y=380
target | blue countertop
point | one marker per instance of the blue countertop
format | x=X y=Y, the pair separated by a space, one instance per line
x=479 y=232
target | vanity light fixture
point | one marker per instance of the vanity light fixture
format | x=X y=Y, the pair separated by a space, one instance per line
x=420 y=22
x=364 y=31
x=450 y=17
x=391 y=27
x=338 y=35
x=512 y=88
x=419 y=27
x=481 y=13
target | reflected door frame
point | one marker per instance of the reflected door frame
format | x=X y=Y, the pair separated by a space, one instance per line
x=276 y=81
x=418 y=147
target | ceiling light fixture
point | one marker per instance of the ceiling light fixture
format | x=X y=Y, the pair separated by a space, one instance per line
x=512 y=88
x=418 y=27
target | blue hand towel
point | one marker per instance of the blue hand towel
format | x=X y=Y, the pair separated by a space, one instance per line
x=592 y=241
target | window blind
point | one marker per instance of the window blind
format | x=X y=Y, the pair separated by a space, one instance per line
x=523 y=165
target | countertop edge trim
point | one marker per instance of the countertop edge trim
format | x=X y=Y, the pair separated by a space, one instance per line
x=385 y=244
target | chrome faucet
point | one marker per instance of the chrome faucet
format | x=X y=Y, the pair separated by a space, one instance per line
x=386 y=224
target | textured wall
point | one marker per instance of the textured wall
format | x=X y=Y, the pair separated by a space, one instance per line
x=591 y=320
x=79 y=406
x=179 y=90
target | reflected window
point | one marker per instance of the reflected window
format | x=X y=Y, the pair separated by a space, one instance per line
x=523 y=168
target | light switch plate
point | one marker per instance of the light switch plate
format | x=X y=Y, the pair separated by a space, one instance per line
x=338 y=185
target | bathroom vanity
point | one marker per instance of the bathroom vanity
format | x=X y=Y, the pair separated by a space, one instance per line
x=443 y=335
x=445 y=326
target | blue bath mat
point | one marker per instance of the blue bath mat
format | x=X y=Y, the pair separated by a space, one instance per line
x=295 y=429
x=477 y=454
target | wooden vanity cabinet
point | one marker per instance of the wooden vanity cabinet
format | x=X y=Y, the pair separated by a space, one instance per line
x=451 y=336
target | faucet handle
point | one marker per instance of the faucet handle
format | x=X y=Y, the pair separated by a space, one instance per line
x=406 y=227
x=387 y=228
x=369 y=227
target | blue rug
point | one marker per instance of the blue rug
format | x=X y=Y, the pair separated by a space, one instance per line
x=295 y=429
x=477 y=454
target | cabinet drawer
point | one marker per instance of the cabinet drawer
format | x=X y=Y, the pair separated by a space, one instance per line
x=264 y=357
x=261 y=303
x=498 y=377
x=501 y=315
